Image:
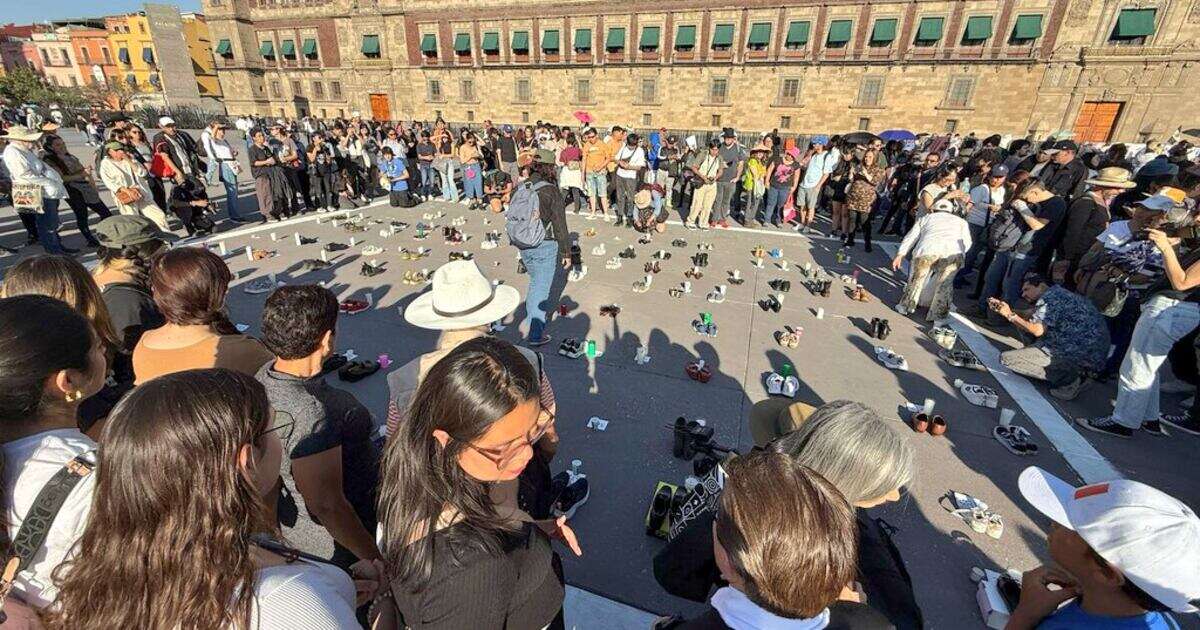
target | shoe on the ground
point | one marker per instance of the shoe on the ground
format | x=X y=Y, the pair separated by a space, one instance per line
x=259 y=285
x=312 y=264
x=355 y=371
x=890 y=359
x=1070 y=390
x=901 y=309
x=962 y=359
x=1183 y=422
x=1106 y=426
x=775 y=384
x=370 y=269
x=577 y=273
x=335 y=247
x=571 y=348
x=351 y=307
x=372 y=250
x=978 y=395
x=1155 y=427
x=575 y=494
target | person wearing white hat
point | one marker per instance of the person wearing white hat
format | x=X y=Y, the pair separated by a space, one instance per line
x=42 y=185
x=1125 y=552
x=938 y=241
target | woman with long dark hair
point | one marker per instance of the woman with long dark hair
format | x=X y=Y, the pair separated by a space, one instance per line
x=189 y=286
x=80 y=183
x=457 y=558
x=178 y=535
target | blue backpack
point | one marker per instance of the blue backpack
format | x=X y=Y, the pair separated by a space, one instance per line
x=523 y=219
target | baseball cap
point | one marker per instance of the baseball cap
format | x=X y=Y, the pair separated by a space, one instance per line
x=1151 y=537
x=943 y=205
x=165 y=121
x=129 y=229
x=999 y=170
x=1066 y=145
x=1047 y=147
x=506 y=128
x=1165 y=199
x=820 y=139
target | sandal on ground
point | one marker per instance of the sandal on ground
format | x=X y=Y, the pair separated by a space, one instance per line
x=355 y=371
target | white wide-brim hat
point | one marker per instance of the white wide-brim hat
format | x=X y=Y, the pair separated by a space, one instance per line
x=21 y=132
x=461 y=297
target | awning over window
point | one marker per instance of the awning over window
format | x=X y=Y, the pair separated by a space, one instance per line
x=267 y=49
x=123 y=55
x=1135 y=23
x=491 y=42
x=224 y=47
x=930 y=29
x=616 y=38
x=131 y=80
x=583 y=39
x=839 y=31
x=760 y=34
x=797 y=34
x=288 y=48
x=309 y=48
x=884 y=31
x=462 y=43
x=723 y=35
x=429 y=43
x=521 y=41
x=1027 y=27
x=370 y=45
x=650 y=37
x=148 y=55
x=685 y=37
x=979 y=28
x=550 y=41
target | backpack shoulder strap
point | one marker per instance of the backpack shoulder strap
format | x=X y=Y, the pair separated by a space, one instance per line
x=36 y=526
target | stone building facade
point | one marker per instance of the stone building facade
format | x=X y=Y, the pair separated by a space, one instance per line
x=1105 y=69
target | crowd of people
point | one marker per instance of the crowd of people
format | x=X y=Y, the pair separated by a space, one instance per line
x=152 y=451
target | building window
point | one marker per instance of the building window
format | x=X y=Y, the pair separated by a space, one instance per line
x=978 y=30
x=433 y=90
x=276 y=91
x=583 y=90
x=370 y=47
x=524 y=117
x=318 y=89
x=883 y=33
x=789 y=91
x=46 y=56
x=929 y=31
x=951 y=125
x=107 y=55
x=335 y=87
x=649 y=92
x=1133 y=27
x=466 y=90
x=870 y=92
x=685 y=37
x=615 y=42
x=429 y=46
x=760 y=36
x=646 y=120
x=296 y=89
x=959 y=91
x=74 y=81
x=722 y=37
x=1026 y=30
x=715 y=120
x=718 y=90
x=470 y=115
x=524 y=90
x=785 y=122
x=839 y=33
x=864 y=124
x=85 y=55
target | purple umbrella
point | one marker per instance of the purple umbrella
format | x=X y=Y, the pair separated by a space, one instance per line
x=898 y=134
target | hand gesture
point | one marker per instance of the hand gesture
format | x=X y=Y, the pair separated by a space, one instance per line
x=559 y=530
x=369 y=576
x=1000 y=306
x=1160 y=239
x=896 y=263
x=1037 y=600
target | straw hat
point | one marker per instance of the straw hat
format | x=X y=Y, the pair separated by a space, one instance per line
x=461 y=297
x=1112 y=177
x=21 y=132
x=643 y=199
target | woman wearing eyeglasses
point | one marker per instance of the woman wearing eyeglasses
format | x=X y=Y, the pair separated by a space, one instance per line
x=179 y=535
x=458 y=558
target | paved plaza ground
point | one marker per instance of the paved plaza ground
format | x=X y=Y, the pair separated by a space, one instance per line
x=835 y=360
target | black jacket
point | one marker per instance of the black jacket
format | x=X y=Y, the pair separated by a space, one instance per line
x=1065 y=180
x=1086 y=219
x=554 y=214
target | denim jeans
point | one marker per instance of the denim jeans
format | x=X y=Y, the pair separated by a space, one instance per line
x=47 y=226
x=978 y=244
x=1004 y=278
x=776 y=200
x=1164 y=321
x=542 y=264
x=473 y=185
x=446 y=171
x=229 y=181
x=426 y=188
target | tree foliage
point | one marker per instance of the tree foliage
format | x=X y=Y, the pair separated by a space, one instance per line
x=23 y=85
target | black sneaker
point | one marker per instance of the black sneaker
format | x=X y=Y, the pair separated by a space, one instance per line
x=573 y=496
x=1105 y=425
x=1155 y=427
x=1183 y=422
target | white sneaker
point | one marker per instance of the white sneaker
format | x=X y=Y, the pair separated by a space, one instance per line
x=791 y=385
x=890 y=359
x=775 y=384
x=464 y=202
x=577 y=274
x=978 y=395
x=901 y=310
x=598 y=250
x=372 y=250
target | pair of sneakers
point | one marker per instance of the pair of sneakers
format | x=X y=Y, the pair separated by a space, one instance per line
x=890 y=359
x=944 y=336
x=778 y=385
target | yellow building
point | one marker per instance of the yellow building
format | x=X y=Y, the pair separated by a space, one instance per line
x=195 y=31
x=129 y=36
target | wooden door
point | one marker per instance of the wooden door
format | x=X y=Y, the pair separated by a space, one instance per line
x=379 y=107
x=1096 y=121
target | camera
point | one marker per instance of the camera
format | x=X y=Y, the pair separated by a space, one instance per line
x=691 y=439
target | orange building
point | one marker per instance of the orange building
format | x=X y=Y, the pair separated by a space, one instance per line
x=94 y=56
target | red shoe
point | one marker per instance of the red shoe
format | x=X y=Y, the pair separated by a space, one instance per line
x=350 y=307
x=724 y=224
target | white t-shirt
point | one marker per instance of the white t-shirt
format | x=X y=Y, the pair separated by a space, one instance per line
x=636 y=158
x=303 y=596
x=29 y=463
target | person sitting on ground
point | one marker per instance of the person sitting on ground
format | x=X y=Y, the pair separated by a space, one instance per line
x=334 y=464
x=938 y=240
x=497 y=189
x=859 y=453
x=784 y=541
x=178 y=520
x=1124 y=555
x=189 y=202
x=189 y=286
x=1070 y=336
x=50 y=361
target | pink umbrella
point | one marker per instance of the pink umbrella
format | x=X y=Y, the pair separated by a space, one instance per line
x=583 y=117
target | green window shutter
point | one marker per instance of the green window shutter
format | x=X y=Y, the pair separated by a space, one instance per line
x=930 y=29
x=429 y=44
x=797 y=34
x=267 y=49
x=550 y=41
x=370 y=45
x=520 y=41
x=309 y=49
x=723 y=35
x=583 y=39
x=224 y=47
x=760 y=34
x=884 y=31
x=979 y=28
x=685 y=37
x=839 y=31
x=1135 y=23
x=491 y=42
x=288 y=48
x=615 y=39
x=462 y=43
x=1027 y=27
x=649 y=39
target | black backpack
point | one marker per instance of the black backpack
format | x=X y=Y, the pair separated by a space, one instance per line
x=1004 y=231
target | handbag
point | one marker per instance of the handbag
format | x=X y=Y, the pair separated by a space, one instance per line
x=128 y=195
x=160 y=168
x=27 y=198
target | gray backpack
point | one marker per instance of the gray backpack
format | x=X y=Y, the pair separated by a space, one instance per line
x=523 y=219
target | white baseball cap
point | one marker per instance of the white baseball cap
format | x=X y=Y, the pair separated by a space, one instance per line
x=1151 y=537
x=943 y=205
x=165 y=121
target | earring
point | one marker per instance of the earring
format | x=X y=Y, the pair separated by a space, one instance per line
x=75 y=395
